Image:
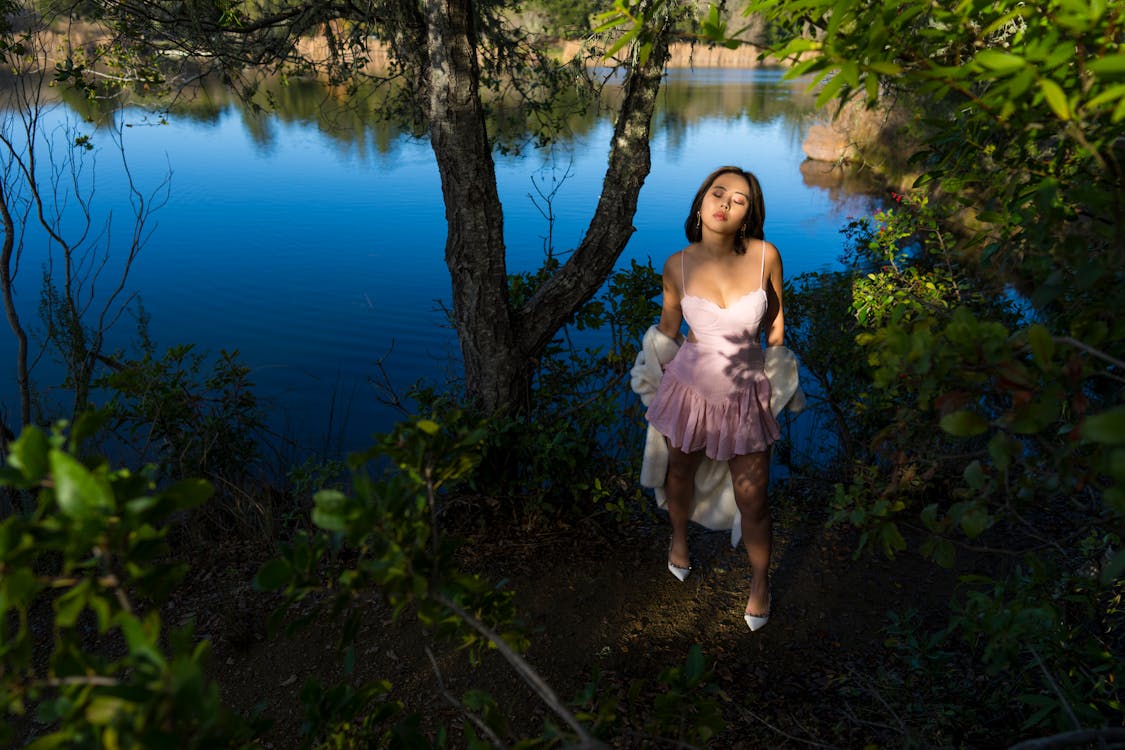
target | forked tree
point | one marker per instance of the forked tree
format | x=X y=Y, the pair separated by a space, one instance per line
x=451 y=59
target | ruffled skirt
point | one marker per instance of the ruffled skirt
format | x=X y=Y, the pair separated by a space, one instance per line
x=708 y=400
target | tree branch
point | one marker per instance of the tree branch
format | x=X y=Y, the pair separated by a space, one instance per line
x=526 y=671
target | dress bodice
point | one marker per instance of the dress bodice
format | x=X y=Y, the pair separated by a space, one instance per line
x=720 y=327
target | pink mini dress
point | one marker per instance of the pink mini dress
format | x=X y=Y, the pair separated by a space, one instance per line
x=714 y=395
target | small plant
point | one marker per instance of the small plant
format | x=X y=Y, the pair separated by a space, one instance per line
x=191 y=422
x=90 y=565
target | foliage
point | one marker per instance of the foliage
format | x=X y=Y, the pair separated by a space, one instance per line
x=974 y=427
x=187 y=421
x=91 y=561
x=386 y=536
x=568 y=19
x=577 y=424
x=1025 y=111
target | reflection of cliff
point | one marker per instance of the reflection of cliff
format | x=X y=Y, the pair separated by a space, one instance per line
x=840 y=181
x=880 y=139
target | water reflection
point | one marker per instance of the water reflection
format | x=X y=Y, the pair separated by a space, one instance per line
x=363 y=119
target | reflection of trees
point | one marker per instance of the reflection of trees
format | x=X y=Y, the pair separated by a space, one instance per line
x=357 y=118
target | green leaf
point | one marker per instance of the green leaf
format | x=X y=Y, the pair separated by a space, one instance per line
x=974 y=521
x=1109 y=66
x=999 y=62
x=29 y=454
x=18 y=588
x=1007 y=18
x=330 y=511
x=944 y=553
x=940 y=550
x=963 y=423
x=273 y=575
x=831 y=89
x=974 y=475
x=70 y=605
x=104 y=709
x=190 y=493
x=884 y=67
x=1116 y=463
x=1056 y=99
x=80 y=494
x=1113 y=93
x=1003 y=449
x=1107 y=428
x=141 y=637
x=1042 y=345
x=892 y=539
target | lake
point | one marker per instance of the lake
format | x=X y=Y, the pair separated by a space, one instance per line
x=315 y=246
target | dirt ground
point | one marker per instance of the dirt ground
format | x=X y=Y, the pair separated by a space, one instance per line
x=598 y=600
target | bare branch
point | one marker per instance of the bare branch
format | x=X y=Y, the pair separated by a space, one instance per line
x=476 y=720
x=527 y=672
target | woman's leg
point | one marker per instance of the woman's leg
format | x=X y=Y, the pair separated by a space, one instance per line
x=679 y=491
x=751 y=475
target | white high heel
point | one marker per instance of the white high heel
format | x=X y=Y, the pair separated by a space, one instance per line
x=676 y=570
x=757 y=622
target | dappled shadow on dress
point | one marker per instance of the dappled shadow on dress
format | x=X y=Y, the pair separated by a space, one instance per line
x=745 y=360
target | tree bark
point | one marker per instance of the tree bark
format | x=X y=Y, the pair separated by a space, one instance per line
x=612 y=224
x=499 y=346
x=474 y=247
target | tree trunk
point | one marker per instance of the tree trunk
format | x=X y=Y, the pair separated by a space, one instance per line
x=612 y=224
x=474 y=248
x=499 y=346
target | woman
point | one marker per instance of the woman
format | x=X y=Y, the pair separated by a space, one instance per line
x=714 y=398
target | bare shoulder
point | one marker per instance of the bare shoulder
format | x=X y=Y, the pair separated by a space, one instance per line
x=771 y=251
x=673 y=267
x=771 y=256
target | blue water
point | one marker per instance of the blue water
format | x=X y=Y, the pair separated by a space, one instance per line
x=316 y=258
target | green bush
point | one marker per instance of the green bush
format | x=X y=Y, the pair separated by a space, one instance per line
x=90 y=565
x=576 y=447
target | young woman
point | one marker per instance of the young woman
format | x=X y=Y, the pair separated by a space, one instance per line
x=714 y=398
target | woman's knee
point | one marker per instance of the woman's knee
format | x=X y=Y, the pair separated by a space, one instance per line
x=682 y=466
x=681 y=471
x=755 y=508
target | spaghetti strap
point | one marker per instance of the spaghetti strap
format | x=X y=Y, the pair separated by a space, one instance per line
x=762 y=275
x=683 y=275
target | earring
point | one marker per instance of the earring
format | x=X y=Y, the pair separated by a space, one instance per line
x=698 y=221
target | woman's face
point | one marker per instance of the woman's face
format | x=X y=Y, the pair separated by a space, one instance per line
x=726 y=203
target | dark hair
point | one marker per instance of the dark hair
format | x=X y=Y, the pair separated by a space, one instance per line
x=755 y=212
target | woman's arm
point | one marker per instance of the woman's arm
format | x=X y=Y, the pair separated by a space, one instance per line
x=671 y=314
x=775 y=310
